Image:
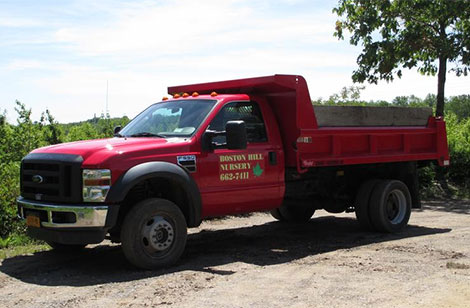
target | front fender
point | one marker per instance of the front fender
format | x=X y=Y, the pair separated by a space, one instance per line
x=163 y=170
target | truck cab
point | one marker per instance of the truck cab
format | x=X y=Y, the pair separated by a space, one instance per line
x=217 y=149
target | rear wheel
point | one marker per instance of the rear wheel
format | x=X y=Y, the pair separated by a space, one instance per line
x=362 y=204
x=293 y=213
x=390 y=206
x=154 y=234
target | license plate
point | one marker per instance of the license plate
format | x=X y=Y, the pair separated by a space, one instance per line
x=33 y=221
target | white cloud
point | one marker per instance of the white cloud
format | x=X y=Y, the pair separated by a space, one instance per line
x=184 y=27
x=24 y=65
x=145 y=29
x=18 y=22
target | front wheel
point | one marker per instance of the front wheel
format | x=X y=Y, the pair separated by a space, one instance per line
x=154 y=234
x=390 y=206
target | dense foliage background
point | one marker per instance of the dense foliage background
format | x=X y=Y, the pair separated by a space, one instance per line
x=18 y=139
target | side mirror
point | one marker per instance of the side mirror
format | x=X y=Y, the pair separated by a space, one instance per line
x=207 y=144
x=117 y=129
x=236 y=135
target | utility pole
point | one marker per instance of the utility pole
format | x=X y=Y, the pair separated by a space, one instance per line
x=107 y=110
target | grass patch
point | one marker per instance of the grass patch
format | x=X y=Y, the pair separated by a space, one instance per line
x=20 y=244
x=22 y=250
x=455 y=265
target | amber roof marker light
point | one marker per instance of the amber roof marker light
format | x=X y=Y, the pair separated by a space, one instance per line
x=214 y=93
x=195 y=94
x=176 y=95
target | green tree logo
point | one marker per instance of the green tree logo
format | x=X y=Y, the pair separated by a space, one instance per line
x=257 y=171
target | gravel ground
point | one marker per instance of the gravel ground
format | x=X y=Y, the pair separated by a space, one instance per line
x=257 y=262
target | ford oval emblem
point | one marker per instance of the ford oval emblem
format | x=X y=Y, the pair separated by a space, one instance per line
x=37 y=179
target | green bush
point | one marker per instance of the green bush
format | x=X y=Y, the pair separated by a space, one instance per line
x=18 y=140
x=458 y=138
x=9 y=191
x=460 y=106
x=426 y=176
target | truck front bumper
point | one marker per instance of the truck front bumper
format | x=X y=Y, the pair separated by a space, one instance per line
x=68 y=223
x=64 y=216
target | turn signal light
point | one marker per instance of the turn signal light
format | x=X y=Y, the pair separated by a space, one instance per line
x=195 y=94
x=214 y=93
x=185 y=94
x=96 y=184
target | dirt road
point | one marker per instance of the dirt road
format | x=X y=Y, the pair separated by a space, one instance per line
x=257 y=262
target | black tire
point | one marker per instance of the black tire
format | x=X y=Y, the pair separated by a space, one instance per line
x=275 y=213
x=66 y=248
x=293 y=214
x=362 y=204
x=154 y=234
x=390 y=206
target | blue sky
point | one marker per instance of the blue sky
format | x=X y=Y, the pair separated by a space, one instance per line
x=60 y=54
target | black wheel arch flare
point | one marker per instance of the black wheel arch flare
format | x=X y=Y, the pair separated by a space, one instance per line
x=162 y=170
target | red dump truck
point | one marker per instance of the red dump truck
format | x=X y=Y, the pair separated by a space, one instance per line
x=223 y=148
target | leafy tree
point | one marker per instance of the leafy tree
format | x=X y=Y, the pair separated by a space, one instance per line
x=5 y=138
x=347 y=94
x=102 y=127
x=105 y=126
x=28 y=134
x=408 y=101
x=3 y=118
x=351 y=93
x=460 y=106
x=9 y=191
x=398 y=34
x=83 y=131
x=53 y=132
x=458 y=136
x=430 y=100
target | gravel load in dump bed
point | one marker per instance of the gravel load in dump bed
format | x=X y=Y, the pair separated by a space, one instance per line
x=330 y=116
x=256 y=262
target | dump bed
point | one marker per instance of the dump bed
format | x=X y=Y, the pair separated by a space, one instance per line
x=338 y=135
x=331 y=116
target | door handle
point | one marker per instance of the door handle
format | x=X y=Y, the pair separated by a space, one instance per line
x=272 y=158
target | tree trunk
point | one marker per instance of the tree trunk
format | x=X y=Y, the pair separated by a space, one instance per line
x=441 y=81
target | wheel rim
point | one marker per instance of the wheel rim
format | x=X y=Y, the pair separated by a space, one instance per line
x=157 y=235
x=396 y=206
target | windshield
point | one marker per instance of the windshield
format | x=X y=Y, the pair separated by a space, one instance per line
x=175 y=118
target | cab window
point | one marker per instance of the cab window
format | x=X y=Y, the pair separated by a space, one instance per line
x=249 y=112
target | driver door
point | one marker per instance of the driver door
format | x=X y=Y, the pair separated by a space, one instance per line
x=240 y=180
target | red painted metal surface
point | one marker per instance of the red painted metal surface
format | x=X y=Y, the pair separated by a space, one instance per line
x=289 y=98
x=365 y=145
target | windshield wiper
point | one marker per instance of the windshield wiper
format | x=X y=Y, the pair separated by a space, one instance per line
x=146 y=134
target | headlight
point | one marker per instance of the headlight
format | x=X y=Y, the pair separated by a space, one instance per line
x=96 y=184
